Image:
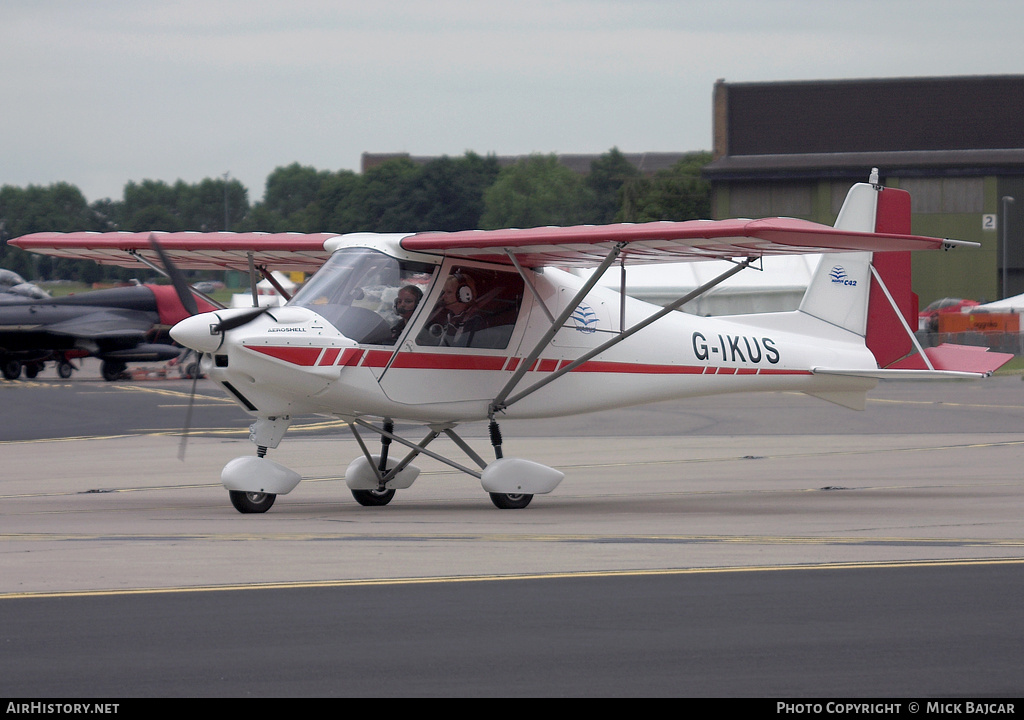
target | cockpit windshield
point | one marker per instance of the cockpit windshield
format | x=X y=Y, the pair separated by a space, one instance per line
x=368 y=296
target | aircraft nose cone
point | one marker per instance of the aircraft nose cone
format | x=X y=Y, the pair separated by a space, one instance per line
x=198 y=334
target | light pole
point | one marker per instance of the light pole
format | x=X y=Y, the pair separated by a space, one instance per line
x=1007 y=201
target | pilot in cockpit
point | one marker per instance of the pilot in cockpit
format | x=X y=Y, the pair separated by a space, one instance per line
x=406 y=302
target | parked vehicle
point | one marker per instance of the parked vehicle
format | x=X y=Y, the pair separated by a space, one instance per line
x=928 y=319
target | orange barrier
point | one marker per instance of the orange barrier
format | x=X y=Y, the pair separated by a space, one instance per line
x=979 y=322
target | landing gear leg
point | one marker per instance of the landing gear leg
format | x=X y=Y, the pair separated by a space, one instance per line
x=505 y=501
x=381 y=496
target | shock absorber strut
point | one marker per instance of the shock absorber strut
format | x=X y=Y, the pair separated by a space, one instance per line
x=385 y=444
x=495 y=432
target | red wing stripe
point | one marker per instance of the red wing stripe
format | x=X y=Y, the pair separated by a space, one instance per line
x=329 y=356
x=436 y=361
x=377 y=358
x=350 y=357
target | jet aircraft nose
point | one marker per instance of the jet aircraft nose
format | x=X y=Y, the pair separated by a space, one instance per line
x=199 y=332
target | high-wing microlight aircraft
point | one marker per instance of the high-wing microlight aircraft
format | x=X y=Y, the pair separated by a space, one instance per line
x=441 y=329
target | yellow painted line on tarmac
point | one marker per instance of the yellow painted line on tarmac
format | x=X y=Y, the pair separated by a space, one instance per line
x=65 y=439
x=194 y=432
x=452 y=579
x=173 y=393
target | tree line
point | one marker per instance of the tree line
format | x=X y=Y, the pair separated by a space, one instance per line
x=446 y=194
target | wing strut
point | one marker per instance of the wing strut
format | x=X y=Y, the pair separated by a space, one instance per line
x=269 y=276
x=529 y=284
x=156 y=268
x=415 y=450
x=499 y=400
x=252 y=279
x=503 y=400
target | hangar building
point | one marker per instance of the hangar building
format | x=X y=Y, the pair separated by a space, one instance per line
x=955 y=143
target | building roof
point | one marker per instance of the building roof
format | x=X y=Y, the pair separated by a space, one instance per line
x=842 y=128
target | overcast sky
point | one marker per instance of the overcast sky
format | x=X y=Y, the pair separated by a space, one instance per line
x=102 y=92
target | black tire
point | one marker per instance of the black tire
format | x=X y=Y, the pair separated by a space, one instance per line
x=373 y=498
x=251 y=502
x=112 y=370
x=64 y=369
x=510 y=501
x=32 y=369
x=11 y=369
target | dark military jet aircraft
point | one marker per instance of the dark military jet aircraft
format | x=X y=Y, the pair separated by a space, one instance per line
x=118 y=325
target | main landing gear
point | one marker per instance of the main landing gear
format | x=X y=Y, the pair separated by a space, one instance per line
x=254 y=482
x=510 y=482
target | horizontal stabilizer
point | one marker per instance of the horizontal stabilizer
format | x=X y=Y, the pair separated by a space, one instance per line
x=958 y=358
x=949 y=362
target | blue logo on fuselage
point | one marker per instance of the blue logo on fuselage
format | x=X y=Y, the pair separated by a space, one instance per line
x=584 y=318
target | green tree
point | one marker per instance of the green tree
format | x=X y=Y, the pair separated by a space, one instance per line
x=448 y=194
x=150 y=205
x=60 y=207
x=608 y=175
x=337 y=203
x=537 y=191
x=292 y=189
x=678 y=193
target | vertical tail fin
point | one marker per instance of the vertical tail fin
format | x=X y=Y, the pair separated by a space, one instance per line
x=845 y=292
x=870 y=295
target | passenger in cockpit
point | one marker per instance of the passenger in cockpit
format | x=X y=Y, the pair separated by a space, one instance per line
x=456 y=313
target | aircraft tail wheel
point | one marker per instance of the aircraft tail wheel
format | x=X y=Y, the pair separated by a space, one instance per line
x=373 y=498
x=251 y=502
x=510 y=501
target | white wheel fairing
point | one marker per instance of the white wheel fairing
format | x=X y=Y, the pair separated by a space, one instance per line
x=359 y=475
x=254 y=474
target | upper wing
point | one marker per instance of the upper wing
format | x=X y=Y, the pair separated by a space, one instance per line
x=588 y=245
x=579 y=246
x=188 y=250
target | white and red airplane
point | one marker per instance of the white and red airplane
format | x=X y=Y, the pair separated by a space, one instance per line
x=441 y=329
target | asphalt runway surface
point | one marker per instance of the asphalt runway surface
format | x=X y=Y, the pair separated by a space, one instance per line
x=750 y=546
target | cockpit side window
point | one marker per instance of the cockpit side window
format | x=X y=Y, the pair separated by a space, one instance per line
x=367 y=295
x=477 y=308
